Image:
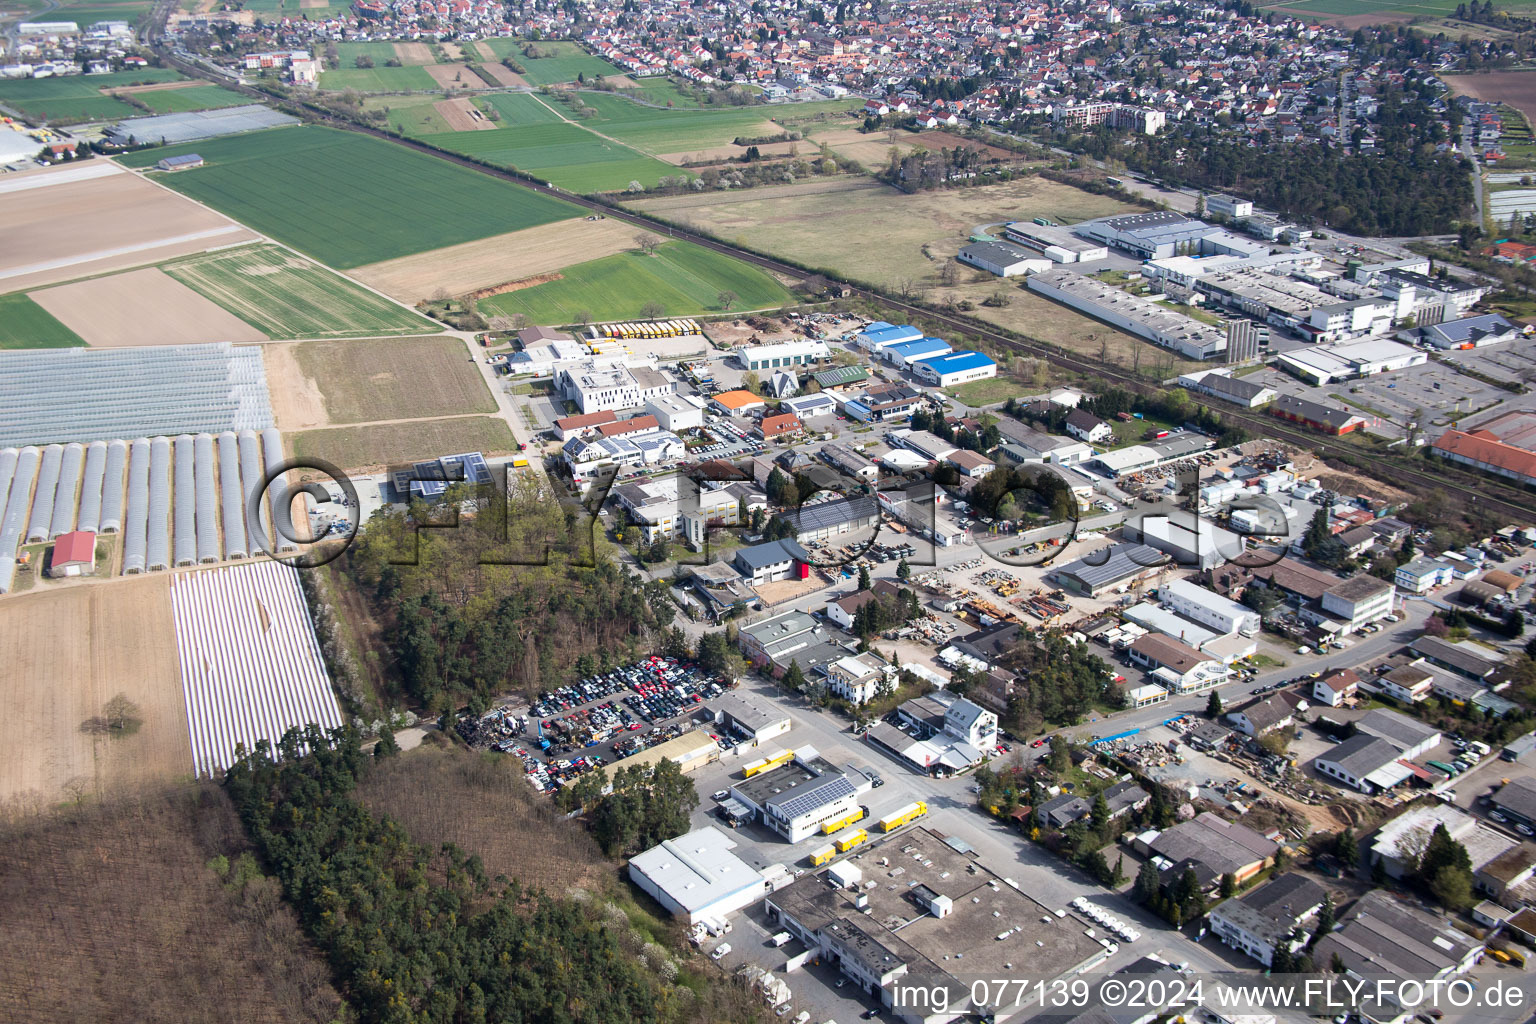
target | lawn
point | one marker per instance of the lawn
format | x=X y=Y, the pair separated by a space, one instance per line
x=195 y=97
x=980 y=393
x=380 y=53
x=568 y=62
x=684 y=278
x=504 y=47
x=394 y=378
x=411 y=115
x=408 y=78
x=519 y=108
x=347 y=199
x=286 y=296
x=25 y=324
x=78 y=97
x=357 y=448
x=89 y=12
x=661 y=89
x=562 y=153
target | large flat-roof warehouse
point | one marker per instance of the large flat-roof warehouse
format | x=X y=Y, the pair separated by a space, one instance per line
x=916 y=908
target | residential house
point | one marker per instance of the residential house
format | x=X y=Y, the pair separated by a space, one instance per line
x=1260 y=921
x=1085 y=426
x=1336 y=688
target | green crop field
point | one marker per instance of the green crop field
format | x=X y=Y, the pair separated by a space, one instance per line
x=381 y=53
x=25 y=324
x=503 y=47
x=654 y=130
x=520 y=108
x=410 y=78
x=195 y=97
x=684 y=278
x=286 y=296
x=562 y=153
x=347 y=199
x=271 y=10
x=566 y=62
x=88 y=12
x=78 y=97
x=410 y=115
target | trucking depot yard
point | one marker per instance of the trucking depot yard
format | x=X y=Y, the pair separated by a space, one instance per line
x=303 y=187
x=110 y=637
x=826 y=224
x=141 y=307
x=374 y=447
x=287 y=296
x=68 y=222
x=501 y=259
x=396 y=378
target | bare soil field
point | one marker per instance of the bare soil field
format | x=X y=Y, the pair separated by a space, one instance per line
x=453 y=50
x=488 y=262
x=832 y=224
x=297 y=403
x=462 y=116
x=117 y=914
x=455 y=76
x=945 y=140
x=720 y=154
x=67 y=222
x=414 y=53
x=114 y=636
x=141 y=307
x=1517 y=88
x=394 y=378
x=499 y=71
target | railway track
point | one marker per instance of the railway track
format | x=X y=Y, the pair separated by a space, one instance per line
x=1482 y=492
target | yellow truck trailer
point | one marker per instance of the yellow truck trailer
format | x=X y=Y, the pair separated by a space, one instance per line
x=911 y=812
x=821 y=856
x=764 y=764
x=838 y=824
x=849 y=841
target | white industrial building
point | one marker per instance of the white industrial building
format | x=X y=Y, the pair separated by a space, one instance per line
x=1230 y=207
x=789 y=353
x=595 y=387
x=795 y=799
x=1132 y=313
x=1002 y=259
x=1055 y=243
x=807 y=407
x=696 y=876
x=1325 y=364
x=1208 y=608
x=582 y=456
x=1190 y=540
x=954 y=368
x=676 y=412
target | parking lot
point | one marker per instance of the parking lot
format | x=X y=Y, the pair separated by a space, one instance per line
x=603 y=718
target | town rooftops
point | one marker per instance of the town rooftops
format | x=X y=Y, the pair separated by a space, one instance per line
x=1485 y=447
x=737 y=400
x=1335 y=417
x=1360 y=755
x=1382 y=936
x=696 y=869
x=1468 y=330
x=1114 y=563
x=591 y=419
x=1399 y=729
x=1359 y=588
x=774 y=552
x=1168 y=652
x=629 y=426
x=1222 y=846
x=1465 y=659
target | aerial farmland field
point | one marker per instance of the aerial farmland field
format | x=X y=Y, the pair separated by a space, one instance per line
x=657 y=130
x=79 y=97
x=393 y=378
x=684 y=278
x=286 y=296
x=379 y=445
x=196 y=97
x=565 y=154
x=346 y=199
x=407 y=78
x=566 y=62
x=520 y=108
x=25 y=324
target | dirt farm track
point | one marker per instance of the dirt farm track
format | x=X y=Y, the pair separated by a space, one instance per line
x=105 y=638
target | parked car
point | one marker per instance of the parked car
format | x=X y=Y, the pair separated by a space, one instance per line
x=720 y=951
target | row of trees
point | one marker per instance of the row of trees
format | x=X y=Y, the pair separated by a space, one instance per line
x=417 y=937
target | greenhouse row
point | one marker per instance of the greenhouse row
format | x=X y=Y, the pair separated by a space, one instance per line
x=86 y=394
x=176 y=502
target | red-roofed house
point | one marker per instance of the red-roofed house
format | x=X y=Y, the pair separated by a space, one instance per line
x=782 y=425
x=628 y=426
x=74 y=554
x=571 y=425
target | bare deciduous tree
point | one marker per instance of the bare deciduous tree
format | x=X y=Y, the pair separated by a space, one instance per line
x=726 y=298
x=652 y=310
x=648 y=243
